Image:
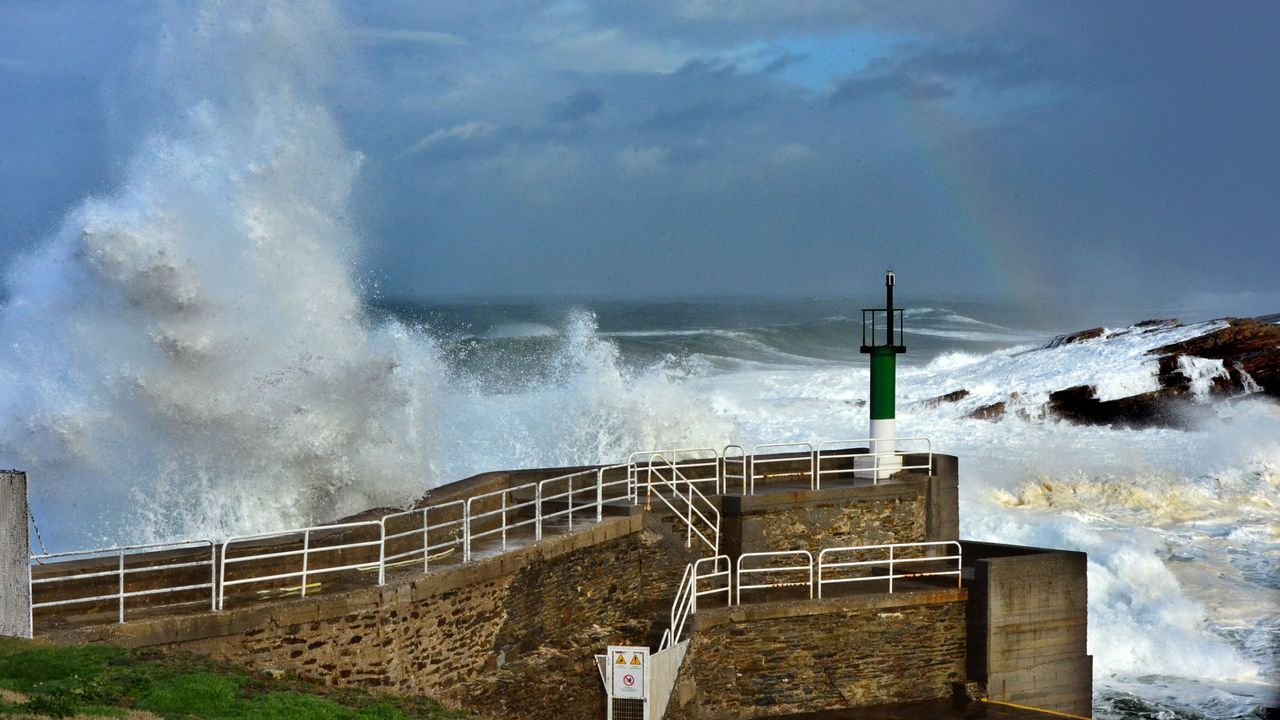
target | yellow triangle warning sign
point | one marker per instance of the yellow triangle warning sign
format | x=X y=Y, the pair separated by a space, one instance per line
x=635 y=658
x=621 y=660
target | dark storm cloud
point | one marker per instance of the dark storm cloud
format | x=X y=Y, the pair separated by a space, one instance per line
x=545 y=147
x=581 y=104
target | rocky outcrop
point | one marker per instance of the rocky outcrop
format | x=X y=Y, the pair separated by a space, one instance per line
x=1249 y=352
x=994 y=411
x=951 y=397
x=1075 y=337
x=1160 y=408
x=1246 y=347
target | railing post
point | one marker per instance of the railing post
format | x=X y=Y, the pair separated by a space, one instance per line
x=537 y=512
x=599 y=494
x=382 y=554
x=688 y=512
x=503 y=519
x=426 y=542
x=222 y=578
x=570 y=503
x=122 y=586
x=466 y=531
x=213 y=577
x=306 y=547
x=890 y=569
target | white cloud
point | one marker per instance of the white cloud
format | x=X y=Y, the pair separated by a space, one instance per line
x=379 y=36
x=474 y=130
x=791 y=152
x=641 y=161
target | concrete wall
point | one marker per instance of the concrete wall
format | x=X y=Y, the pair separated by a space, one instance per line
x=778 y=658
x=1028 y=627
x=15 y=592
x=510 y=636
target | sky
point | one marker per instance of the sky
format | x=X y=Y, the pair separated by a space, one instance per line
x=1061 y=152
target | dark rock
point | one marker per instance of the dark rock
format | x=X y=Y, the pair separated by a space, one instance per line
x=1244 y=346
x=1075 y=337
x=994 y=411
x=1159 y=408
x=954 y=396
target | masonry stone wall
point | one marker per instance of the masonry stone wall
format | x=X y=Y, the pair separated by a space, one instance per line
x=779 y=658
x=512 y=636
x=892 y=512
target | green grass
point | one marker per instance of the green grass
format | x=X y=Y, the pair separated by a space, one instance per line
x=62 y=681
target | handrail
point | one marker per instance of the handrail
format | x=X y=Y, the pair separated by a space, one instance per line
x=425 y=531
x=306 y=552
x=466 y=523
x=470 y=534
x=824 y=567
x=121 y=571
x=826 y=451
x=673 y=456
x=677 y=478
x=768 y=460
x=687 y=594
x=807 y=567
x=725 y=459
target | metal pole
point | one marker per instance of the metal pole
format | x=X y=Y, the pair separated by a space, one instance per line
x=890 y=569
x=306 y=546
x=426 y=542
x=122 y=586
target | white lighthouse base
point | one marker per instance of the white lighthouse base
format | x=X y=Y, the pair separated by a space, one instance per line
x=884 y=460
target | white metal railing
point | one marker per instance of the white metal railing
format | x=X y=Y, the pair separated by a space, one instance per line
x=692 y=462
x=454 y=529
x=892 y=562
x=304 y=555
x=758 y=465
x=121 y=572
x=689 y=590
x=730 y=462
x=694 y=505
x=790 y=571
x=508 y=504
x=429 y=533
x=866 y=459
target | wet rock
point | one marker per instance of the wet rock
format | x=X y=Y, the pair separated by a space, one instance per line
x=953 y=396
x=1159 y=408
x=994 y=411
x=1245 y=346
x=1075 y=337
x=1248 y=349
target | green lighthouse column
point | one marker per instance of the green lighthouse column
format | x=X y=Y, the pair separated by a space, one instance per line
x=883 y=347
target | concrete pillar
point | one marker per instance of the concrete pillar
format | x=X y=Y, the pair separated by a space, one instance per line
x=15 y=589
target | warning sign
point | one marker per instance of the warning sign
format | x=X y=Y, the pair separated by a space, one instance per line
x=628 y=677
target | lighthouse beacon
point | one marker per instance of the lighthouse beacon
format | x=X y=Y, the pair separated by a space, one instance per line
x=880 y=342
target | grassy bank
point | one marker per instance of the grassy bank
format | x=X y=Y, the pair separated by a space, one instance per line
x=39 y=680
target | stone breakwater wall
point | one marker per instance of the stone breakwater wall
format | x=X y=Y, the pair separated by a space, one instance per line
x=778 y=658
x=512 y=636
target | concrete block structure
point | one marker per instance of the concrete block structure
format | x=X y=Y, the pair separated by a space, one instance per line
x=15 y=592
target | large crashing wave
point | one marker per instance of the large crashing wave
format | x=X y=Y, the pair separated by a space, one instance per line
x=189 y=356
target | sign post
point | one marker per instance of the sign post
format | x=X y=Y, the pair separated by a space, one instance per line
x=626 y=681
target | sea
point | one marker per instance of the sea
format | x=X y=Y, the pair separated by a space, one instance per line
x=197 y=352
